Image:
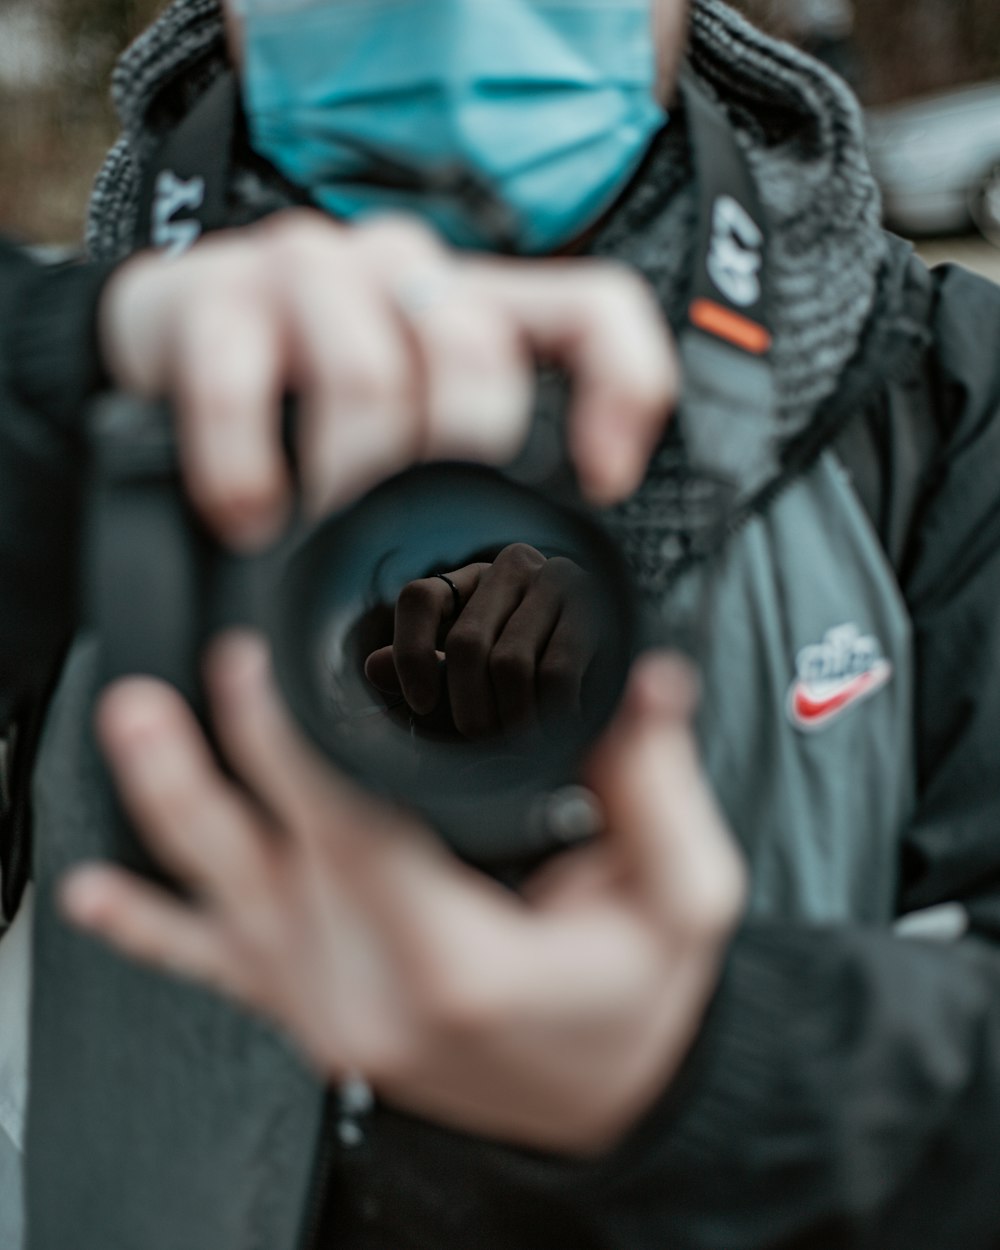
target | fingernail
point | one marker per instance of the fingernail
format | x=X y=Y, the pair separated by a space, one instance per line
x=237 y=661
x=130 y=714
x=83 y=896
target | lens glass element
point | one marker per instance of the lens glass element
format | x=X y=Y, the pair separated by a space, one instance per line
x=456 y=641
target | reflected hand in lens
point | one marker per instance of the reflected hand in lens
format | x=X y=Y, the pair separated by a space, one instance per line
x=506 y=652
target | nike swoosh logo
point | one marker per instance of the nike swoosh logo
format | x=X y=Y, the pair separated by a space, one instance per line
x=810 y=712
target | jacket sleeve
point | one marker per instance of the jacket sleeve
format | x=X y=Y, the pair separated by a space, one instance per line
x=49 y=365
x=845 y=1090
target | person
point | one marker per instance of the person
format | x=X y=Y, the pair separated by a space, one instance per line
x=835 y=1084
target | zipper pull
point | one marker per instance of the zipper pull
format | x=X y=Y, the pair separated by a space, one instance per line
x=355 y=1103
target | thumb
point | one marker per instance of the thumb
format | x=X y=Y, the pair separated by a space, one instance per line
x=380 y=670
x=663 y=821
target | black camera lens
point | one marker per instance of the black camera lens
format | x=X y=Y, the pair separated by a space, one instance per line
x=456 y=641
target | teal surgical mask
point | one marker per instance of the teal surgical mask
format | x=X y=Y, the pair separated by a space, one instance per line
x=507 y=124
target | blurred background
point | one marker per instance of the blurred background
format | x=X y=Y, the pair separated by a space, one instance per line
x=935 y=142
x=55 y=63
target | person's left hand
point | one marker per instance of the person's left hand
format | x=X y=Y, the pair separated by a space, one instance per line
x=551 y=1020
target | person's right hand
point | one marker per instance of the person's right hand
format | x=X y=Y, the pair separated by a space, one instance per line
x=552 y=1020
x=398 y=350
x=512 y=642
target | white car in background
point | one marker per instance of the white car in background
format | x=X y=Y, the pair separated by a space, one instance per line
x=938 y=161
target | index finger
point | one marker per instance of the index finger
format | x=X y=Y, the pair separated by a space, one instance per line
x=601 y=322
x=228 y=379
x=423 y=609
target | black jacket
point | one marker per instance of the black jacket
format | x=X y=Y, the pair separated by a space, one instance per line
x=845 y=1090
x=49 y=364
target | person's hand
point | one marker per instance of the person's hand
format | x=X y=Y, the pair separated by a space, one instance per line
x=551 y=1020
x=398 y=350
x=512 y=643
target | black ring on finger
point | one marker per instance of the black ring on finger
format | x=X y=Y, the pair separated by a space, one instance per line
x=457 y=598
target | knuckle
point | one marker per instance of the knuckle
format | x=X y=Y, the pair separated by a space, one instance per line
x=623 y=287
x=521 y=557
x=466 y=646
x=458 y=1006
x=419 y=598
x=236 y=280
x=356 y=854
x=203 y=344
x=399 y=238
x=263 y=920
x=469 y=341
x=366 y=385
x=212 y=373
x=564 y=575
x=511 y=667
x=558 y=675
x=217 y=393
x=294 y=237
x=386 y=1056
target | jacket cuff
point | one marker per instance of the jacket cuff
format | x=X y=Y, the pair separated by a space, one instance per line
x=769 y=1009
x=56 y=363
x=723 y=1090
x=726 y=1082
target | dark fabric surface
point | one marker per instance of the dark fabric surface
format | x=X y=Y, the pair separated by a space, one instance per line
x=49 y=365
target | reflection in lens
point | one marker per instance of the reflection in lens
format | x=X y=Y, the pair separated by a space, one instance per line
x=467 y=717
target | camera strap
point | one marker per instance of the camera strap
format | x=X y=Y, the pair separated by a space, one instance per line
x=185 y=190
x=727 y=414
